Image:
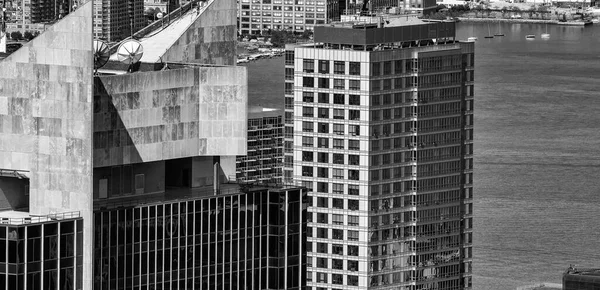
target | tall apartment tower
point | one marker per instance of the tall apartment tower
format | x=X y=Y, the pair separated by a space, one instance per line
x=115 y=20
x=383 y=135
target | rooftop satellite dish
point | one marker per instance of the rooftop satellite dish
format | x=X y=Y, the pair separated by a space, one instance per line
x=101 y=53
x=130 y=52
x=159 y=15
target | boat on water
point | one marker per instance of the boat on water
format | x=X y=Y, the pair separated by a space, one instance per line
x=530 y=36
x=489 y=32
x=546 y=35
x=499 y=31
x=472 y=39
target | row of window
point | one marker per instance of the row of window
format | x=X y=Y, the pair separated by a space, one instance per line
x=339 y=67
x=324 y=143
x=324 y=83
x=336 y=234
x=337 y=188
x=336 y=279
x=336 y=219
x=338 y=129
x=336 y=249
x=324 y=98
x=285 y=2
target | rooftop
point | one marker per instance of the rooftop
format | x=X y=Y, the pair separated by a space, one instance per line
x=383 y=29
x=13 y=217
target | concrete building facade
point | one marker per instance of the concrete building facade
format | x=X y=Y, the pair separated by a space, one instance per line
x=383 y=136
x=103 y=172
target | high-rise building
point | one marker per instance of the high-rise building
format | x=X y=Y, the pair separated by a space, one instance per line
x=123 y=177
x=264 y=161
x=115 y=20
x=581 y=279
x=383 y=135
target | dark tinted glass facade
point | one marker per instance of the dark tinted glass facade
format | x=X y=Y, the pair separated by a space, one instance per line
x=251 y=240
x=40 y=256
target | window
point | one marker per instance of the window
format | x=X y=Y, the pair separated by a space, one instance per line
x=337 y=158
x=354 y=130
x=353 y=174
x=339 y=84
x=308 y=111
x=307 y=156
x=322 y=277
x=352 y=280
x=352 y=189
x=375 y=68
x=308 y=65
x=307 y=141
x=323 y=143
x=324 y=98
x=338 y=143
x=353 y=160
x=323 y=157
x=354 y=100
x=308 y=82
x=337 y=249
x=307 y=126
x=387 y=84
x=321 y=262
x=323 y=66
x=323 y=172
x=338 y=114
x=354 y=68
x=323 y=202
x=288 y=88
x=338 y=188
x=353 y=220
x=352 y=266
x=323 y=187
x=338 y=129
x=354 y=85
x=323 y=112
x=354 y=114
x=338 y=173
x=337 y=279
x=339 y=99
x=339 y=67
x=323 y=127
x=338 y=203
x=307 y=171
x=324 y=83
x=337 y=219
x=353 y=235
x=322 y=248
x=353 y=204
x=352 y=145
x=375 y=85
x=308 y=97
x=387 y=68
x=337 y=234
x=375 y=115
x=322 y=218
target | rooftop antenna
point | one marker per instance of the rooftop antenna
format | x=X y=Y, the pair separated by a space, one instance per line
x=101 y=54
x=130 y=52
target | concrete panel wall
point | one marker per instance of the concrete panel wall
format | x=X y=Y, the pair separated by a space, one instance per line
x=212 y=39
x=46 y=118
x=162 y=115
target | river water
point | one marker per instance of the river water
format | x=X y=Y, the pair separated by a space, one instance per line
x=537 y=149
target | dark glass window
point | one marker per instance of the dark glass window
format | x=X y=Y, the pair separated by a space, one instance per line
x=339 y=67
x=324 y=98
x=308 y=82
x=324 y=83
x=339 y=99
x=308 y=97
x=354 y=68
x=324 y=66
x=308 y=65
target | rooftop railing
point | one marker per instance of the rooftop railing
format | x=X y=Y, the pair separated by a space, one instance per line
x=39 y=219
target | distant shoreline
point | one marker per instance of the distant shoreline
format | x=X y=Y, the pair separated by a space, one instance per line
x=536 y=21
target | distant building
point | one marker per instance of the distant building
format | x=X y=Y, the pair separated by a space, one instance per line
x=291 y=15
x=382 y=120
x=115 y=20
x=581 y=279
x=264 y=160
